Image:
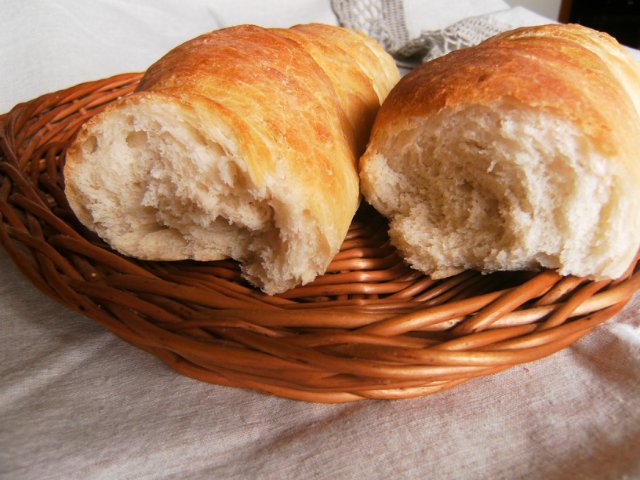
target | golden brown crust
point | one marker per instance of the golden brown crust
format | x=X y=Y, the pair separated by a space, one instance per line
x=286 y=100
x=577 y=183
x=556 y=68
x=355 y=90
x=368 y=55
x=296 y=105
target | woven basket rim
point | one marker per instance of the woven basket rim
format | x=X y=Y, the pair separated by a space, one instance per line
x=371 y=327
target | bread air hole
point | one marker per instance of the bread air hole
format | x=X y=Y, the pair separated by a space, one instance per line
x=137 y=139
x=90 y=145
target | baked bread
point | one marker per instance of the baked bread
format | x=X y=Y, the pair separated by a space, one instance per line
x=520 y=153
x=240 y=143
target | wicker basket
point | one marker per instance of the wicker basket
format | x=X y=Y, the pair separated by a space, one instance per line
x=369 y=328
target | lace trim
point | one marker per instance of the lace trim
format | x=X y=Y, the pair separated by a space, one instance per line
x=384 y=20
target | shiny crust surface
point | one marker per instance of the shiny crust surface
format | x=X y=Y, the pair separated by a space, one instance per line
x=283 y=105
x=299 y=104
x=568 y=70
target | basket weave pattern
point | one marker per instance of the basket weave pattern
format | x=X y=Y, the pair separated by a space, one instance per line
x=371 y=327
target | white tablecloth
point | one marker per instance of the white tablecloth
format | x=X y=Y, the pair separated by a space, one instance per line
x=78 y=403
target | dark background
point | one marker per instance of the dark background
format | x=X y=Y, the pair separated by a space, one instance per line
x=619 y=18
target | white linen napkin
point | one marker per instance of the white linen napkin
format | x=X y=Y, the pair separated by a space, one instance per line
x=47 y=45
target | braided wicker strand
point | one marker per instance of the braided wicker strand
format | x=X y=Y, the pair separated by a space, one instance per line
x=371 y=327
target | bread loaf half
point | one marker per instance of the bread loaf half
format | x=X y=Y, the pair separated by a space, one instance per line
x=519 y=153
x=240 y=143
